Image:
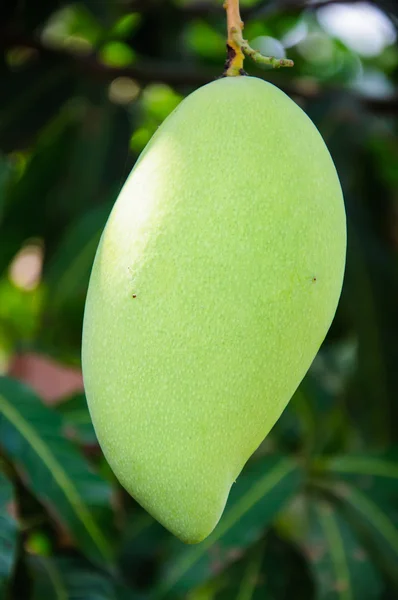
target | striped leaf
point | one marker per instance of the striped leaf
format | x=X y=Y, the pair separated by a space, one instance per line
x=341 y=567
x=8 y=533
x=375 y=476
x=53 y=469
x=375 y=523
x=254 y=501
x=368 y=466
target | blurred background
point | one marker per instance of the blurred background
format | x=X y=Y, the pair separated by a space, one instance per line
x=83 y=86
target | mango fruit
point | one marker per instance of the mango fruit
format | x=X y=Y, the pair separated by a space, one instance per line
x=214 y=284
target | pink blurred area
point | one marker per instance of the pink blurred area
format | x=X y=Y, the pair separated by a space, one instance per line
x=51 y=380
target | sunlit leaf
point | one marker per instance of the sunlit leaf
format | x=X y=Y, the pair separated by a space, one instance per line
x=117 y=54
x=159 y=100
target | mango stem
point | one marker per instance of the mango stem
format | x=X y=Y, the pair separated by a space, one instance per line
x=235 y=56
x=238 y=48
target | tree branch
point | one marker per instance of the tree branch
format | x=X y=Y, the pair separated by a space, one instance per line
x=175 y=74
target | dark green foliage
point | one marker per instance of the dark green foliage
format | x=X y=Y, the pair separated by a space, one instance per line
x=52 y=469
x=314 y=515
x=8 y=532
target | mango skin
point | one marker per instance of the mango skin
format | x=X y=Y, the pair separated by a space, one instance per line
x=215 y=282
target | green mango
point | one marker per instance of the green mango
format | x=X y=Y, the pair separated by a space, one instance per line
x=214 y=284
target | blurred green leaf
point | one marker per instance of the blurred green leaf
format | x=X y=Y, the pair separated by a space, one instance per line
x=142 y=542
x=32 y=194
x=53 y=469
x=342 y=569
x=77 y=420
x=141 y=137
x=8 y=533
x=159 y=100
x=6 y=171
x=368 y=465
x=72 y=24
x=30 y=98
x=374 y=475
x=205 y=41
x=68 y=579
x=117 y=54
x=384 y=150
x=19 y=311
x=245 y=580
x=255 y=499
x=373 y=523
x=125 y=26
x=68 y=271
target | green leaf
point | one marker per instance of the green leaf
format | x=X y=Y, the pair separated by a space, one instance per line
x=117 y=54
x=30 y=97
x=53 y=469
x=71 y=23
x=125 y=26
x=245 y=580
x=373 y=523
x=68 y=272
x=204 y=40
x=6 y=172
x=77 y=421
x=20 y=310
x=68 y=579
x=8 y=533
x=254 y=501
x=47 y=580
x=341 y=567
x=375 y=475
x=42 y=172
x=368 y=465
x=159 y=100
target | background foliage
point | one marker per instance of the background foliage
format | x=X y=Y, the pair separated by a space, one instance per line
x=314 y=515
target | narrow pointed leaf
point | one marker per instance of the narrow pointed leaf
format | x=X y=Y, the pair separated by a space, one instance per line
x=373 y=466
x=374 y=523
x=53 y=469
x=375 y=476
x=340 y=565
